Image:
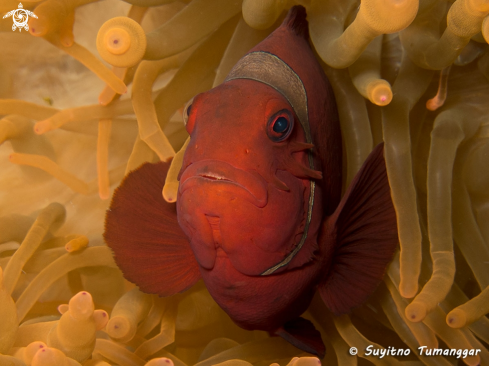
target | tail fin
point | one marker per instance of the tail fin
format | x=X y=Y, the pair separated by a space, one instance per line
x=366 y=229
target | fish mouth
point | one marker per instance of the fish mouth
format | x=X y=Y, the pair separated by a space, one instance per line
x=252 y=184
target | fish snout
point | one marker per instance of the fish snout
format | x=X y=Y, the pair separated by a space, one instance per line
x=251 y=184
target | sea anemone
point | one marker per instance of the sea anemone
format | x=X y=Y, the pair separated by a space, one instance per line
x=414 y=75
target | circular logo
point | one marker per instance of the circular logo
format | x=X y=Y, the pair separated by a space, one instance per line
x=353 y=351
x=20 y=17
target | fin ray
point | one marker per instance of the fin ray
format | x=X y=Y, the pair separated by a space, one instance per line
x=143 y=232
x=366 y=237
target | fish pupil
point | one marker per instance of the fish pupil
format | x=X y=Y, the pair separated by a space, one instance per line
x=280 y=125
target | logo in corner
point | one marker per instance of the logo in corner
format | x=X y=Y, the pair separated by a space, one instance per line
x=20 y=17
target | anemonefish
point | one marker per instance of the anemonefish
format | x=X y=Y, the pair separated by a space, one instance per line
x=259 y=214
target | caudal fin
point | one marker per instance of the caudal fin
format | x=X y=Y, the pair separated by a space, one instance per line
x=142 y=230
x=366 y=232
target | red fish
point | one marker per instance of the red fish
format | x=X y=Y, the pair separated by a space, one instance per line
x=259 y=214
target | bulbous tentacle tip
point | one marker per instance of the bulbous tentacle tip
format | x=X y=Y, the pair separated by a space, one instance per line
x=67 y=39
x=261 y=14
x=408 y=289
x=415 y=312
x=380 y=92
x=63 y=308
x=121 y=42
x=42 y=127
x=456 y=318
x=81 y=306
x=101 y=318
x=31 y=350
x=170 y=191
x=77 y=243
x=38 y=27
x=485 y=28
x=48 y=356
x=161 y=361
x=389 y=16
x=119 y=327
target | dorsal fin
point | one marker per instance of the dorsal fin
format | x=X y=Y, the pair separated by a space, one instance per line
x=296 y=21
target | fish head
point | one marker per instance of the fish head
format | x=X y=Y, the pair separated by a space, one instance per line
x=245 y=179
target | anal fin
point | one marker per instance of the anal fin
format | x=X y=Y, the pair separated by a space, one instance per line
x=366 y=237
x=302 y=334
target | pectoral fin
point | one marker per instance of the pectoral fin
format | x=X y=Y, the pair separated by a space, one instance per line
x=142 y=230
x=366 y=237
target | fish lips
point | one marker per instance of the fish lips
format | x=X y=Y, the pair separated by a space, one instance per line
x=253 y=185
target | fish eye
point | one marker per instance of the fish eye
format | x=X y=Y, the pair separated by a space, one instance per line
x=187 y=110
x=280 y=125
